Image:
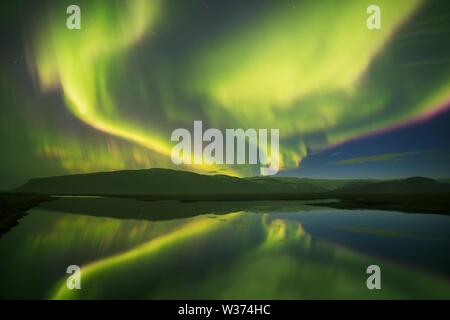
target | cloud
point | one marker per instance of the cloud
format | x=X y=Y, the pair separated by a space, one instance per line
x=383 y=157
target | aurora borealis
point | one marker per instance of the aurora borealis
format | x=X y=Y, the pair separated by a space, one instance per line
x=108 y=96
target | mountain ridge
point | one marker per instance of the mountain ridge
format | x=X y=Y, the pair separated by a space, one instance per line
x=408 y=185
x=157 y=181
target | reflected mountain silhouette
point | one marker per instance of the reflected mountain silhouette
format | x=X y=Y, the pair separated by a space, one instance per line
x=169 y=209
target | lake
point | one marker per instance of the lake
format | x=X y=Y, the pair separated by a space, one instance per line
x=223 y=250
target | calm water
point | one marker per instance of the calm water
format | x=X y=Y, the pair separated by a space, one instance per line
x=227 y=250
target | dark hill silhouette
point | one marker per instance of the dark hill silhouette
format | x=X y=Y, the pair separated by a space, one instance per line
x=405 y=186
x=415 y=194
x=161 y=182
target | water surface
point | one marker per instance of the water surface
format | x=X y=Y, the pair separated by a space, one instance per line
x=223 y=250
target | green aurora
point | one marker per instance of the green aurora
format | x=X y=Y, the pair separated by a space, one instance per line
x=265 y=256
x=107 y=97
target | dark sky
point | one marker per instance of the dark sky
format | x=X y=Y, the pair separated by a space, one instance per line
x=349 y=102
x=420 y=149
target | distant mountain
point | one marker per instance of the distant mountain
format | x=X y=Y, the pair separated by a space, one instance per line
x=406 y=186
x=173 y=183
x=333 y=184
x=162 y=182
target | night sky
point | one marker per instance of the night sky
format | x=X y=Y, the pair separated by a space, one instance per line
x=349 y=102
